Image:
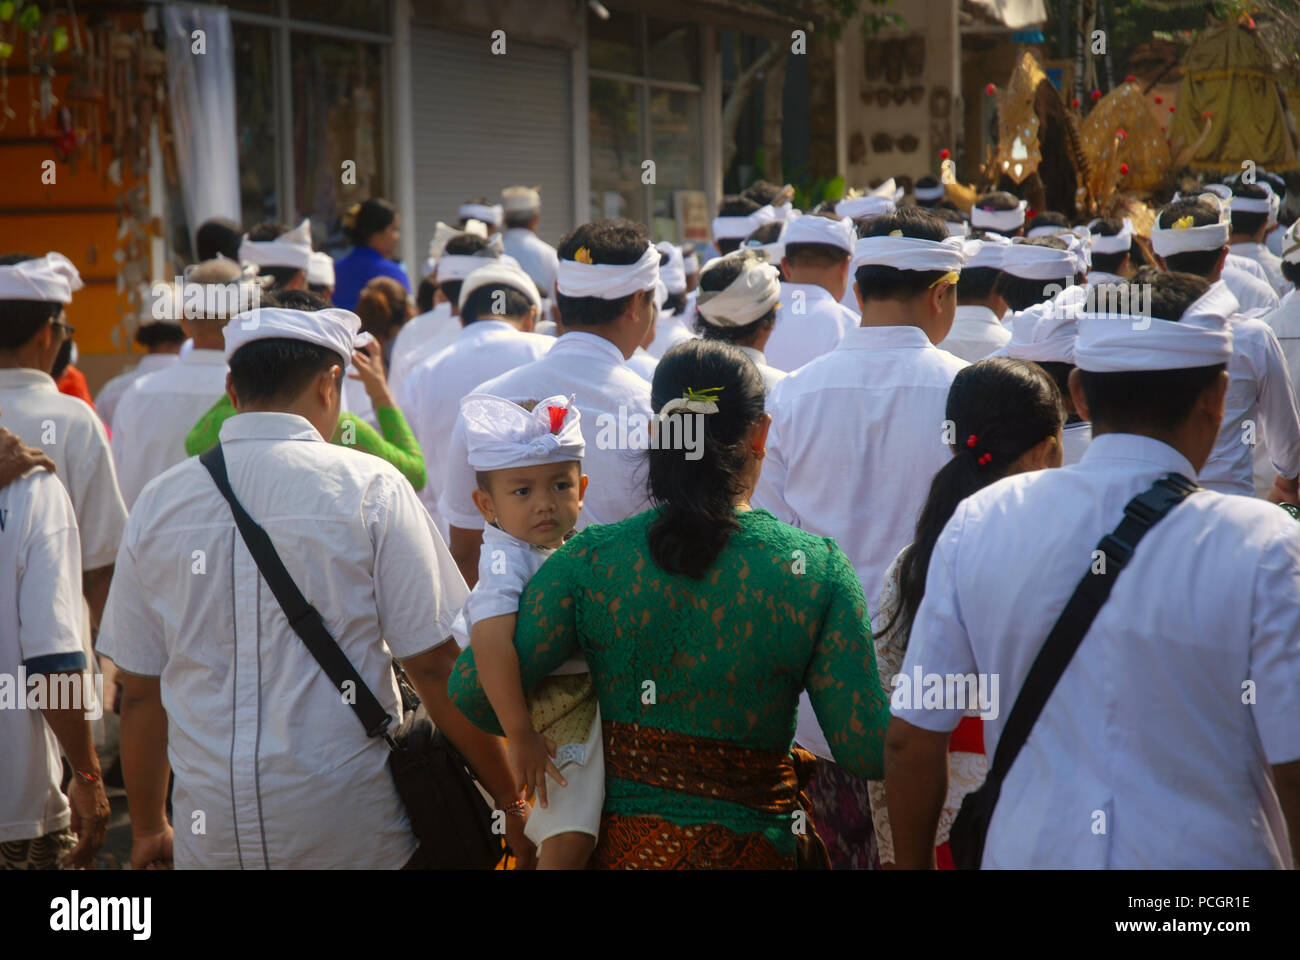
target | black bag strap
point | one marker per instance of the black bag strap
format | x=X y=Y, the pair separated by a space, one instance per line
x=1141 y=514
x=303 y=617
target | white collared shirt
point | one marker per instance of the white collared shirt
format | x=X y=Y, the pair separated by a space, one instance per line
x=258 y=737
x=111 y=392
x=809 y=324
x=1254 y=296
x=670 y=330
x=40 y=629
x=72 y=436
x=856 y=436
x=1274 y=240
x=612 y=400
x=537 y=257
x=420 y=337
x=1271 y=264
x=434 y=389
x=771 y=375
x=1148 y=726
x=643 y=364
x=976 y=333
x=156 y=413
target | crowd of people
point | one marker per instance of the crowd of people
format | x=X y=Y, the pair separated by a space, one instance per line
x=751 y=554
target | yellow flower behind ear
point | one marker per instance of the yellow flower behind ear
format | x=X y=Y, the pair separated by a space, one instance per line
x=1182 y=223
x=583 y=255
x=895 y=233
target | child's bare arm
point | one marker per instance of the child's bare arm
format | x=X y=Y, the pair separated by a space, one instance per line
x=493 y=643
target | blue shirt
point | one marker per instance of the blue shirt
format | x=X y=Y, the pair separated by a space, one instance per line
x=357 y=269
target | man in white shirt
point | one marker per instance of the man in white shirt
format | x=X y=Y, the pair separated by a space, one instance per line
x=1172 y=739
x=522 y=210
x=33 y=327
x=1261 y=401
x=739 y=294
x=263 y=747
x=605 y=293
x=498 y=306
x=811 y=321
x=41 y=651
x=977 y=329
x=161 y=339
x=156 y=413
x=1252 y=207
x=857 y=434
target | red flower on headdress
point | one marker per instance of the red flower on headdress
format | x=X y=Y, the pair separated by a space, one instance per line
x=557 y=417
x=1159 y=99
x=1123 y=169
x=944 y=154
x=989 y=89
x=1031 y=213
x=1096 y=94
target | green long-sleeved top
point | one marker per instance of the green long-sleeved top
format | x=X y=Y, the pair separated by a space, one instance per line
x=781 y=610
x=397 y=444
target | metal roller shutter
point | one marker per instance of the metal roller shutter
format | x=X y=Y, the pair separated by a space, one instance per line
x=485 y=121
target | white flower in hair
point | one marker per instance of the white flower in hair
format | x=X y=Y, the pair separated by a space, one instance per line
x=694 y=401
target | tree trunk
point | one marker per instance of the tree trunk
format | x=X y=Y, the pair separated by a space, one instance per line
x=773 y=113
x=735 y=105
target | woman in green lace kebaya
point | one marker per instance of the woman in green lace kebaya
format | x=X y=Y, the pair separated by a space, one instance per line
x=702 y=620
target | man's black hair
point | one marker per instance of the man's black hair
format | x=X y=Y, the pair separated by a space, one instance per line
x=157 y=334
x=1198 y=262
x=1242 y=221
x=278 y=369
x=480 y=304
x=879 y=282
x=734 y=205
x=1108 y=262
x=218 y=236
x=21 y=320
x=761 y=192
x=606 y=241
x=424 y=295
x=1048 y=218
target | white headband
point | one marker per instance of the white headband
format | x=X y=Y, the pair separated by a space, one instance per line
x=672 y=271
x=1168 y=241
x=817 y=229
x=1119 y=243
x=500 y=434
x=986 y=253
x=333 y=328
x=738 y=228
x=51 y=278
x=751 y=295
x=909 y=253
x=496 y=273
x=608 y=281
x=957 y=229
x=458 y=266
x=1110 y=343
x=870 y=205
x=1046 y=332
x=1032 y=262
x=1254 y=204
x=320 y=271
x=1004 y=220
x=691 y=264
x=929 y=194
x=292 y=249
x=1049 y=230
x=1291 y=243
x=481 y=211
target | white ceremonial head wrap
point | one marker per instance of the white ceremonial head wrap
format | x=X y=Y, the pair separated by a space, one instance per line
x=1032 y=262
x=957 y=228
x=1047 y=230
x=929 y=194
x=868 y=205
x=909 y=253
x=986 y=253
x=672 y=271
x=608 y=281
x=754 y=292
x=690 y=264
x=1119 y=243
x=818 y=229
x=334 y=328
x=1047 y=331
x=320 y=272
x=521 y=199
x=500 y=434
x=1254 y=204
x=1121 y=343
x=738 y=228
x=225 y=289
x=774 y=251
x=291 y=249
x=1291 y=243
x=1080 y=249
x=1004 y=220
x=661 y=294
x=498 y=273
x=489 y=213
x=51 y=279
x=1167 y=241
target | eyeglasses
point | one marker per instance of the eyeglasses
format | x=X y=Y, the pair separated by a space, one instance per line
x=67 y=328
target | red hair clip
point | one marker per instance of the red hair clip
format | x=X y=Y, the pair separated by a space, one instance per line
x=971 y=441
x=984 y=459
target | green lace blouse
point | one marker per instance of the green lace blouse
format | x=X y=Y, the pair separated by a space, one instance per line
x=724 y=657
x=397 y=444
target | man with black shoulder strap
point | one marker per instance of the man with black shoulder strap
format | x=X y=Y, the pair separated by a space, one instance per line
x=1171 y=736
x=273 y=769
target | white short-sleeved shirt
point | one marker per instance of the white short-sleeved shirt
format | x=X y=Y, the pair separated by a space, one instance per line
x=537 y=257
x=771 y=375
x=40 y=630
x=420 y=337
x=976 y=333
x=74 y=438
x=434 y=389
x=156 y=413
x=856 y=437
x=505 y=565
x=1254 y=294
x=612 y=400
x=1147 y=725
x=111 y=392
x=809 y=324
x=1269 y=262
x=258 y=737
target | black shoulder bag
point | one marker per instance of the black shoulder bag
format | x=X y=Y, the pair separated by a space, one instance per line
x=448 y=815
x=1141 y=514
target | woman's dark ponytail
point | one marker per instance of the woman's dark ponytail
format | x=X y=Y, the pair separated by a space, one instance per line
x=998 y=410
x=696 y=495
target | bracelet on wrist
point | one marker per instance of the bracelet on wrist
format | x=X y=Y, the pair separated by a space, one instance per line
x=87 y=776
x=517 y=809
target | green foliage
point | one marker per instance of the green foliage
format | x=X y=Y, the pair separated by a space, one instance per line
x=810 y=191
x=831 y=16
